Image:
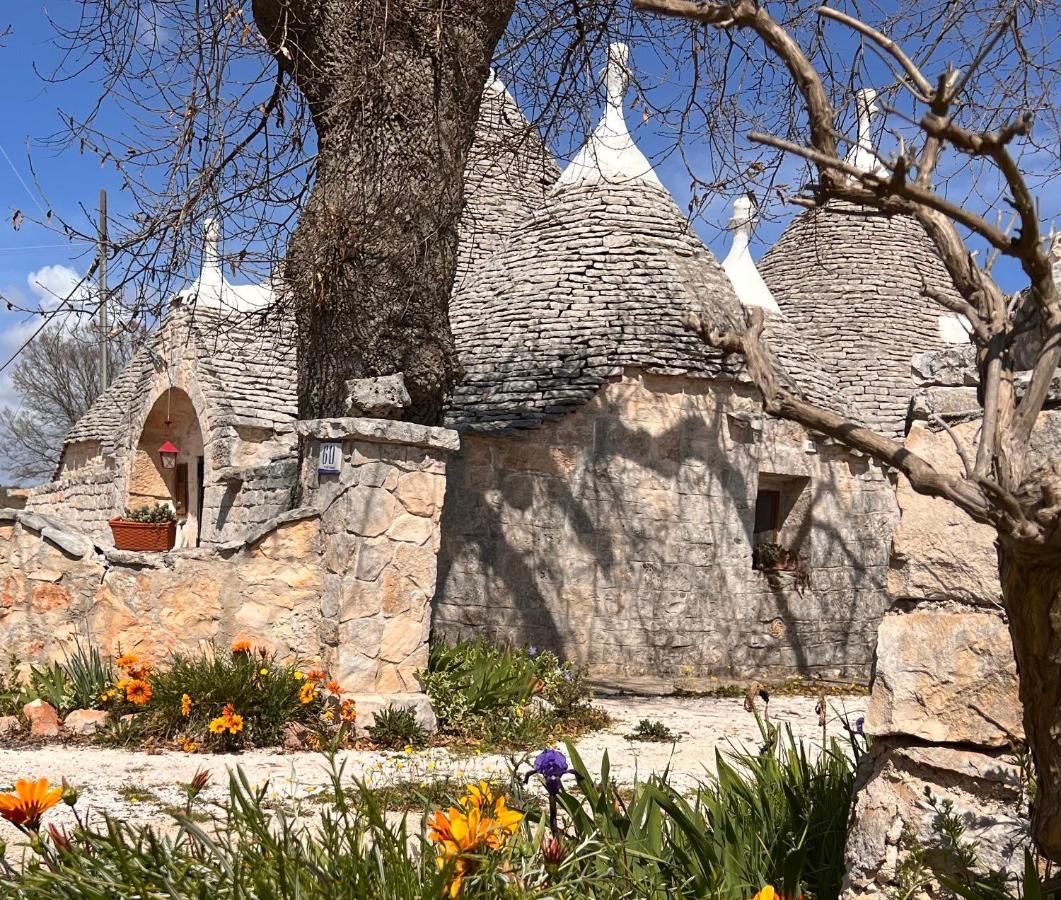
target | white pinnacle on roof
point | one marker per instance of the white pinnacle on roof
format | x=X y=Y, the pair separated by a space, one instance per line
x=211 y=289
x=863 y=155
x=748 y=284
x=610 y=155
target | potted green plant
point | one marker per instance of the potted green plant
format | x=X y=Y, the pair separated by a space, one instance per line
x=147 y=528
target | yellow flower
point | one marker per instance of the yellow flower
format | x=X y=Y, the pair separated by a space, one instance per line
x=264 y=672
x=299 y=676
x=218 y=725
x=308 y=693
x=30 y=801
x=138 y=692
x=482 y=821
x=186 y=705
x=189 y=746
x=229 y=721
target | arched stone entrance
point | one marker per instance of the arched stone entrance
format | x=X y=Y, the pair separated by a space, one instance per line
x=182 y=486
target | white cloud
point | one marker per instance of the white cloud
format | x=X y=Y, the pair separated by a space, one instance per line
x=53 y=284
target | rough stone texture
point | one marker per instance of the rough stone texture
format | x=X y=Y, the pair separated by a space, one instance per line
x=940 y=553
x=891 y=810
x=598 y=278
x=850 y=281
x=9 y=725
x=370 y=704
x=153 y=604
x=946 y=675
x=85 y=722
x=379 y=544
x=621 y=537
x=345 y=580
x=42 y=717
x=377 y=398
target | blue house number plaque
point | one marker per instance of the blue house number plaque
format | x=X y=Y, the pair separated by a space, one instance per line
x=331 y=458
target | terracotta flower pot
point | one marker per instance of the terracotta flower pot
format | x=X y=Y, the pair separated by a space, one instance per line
x=143 y=536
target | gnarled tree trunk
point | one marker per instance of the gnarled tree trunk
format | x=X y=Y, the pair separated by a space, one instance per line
x=394 y=90
x=1031 y=587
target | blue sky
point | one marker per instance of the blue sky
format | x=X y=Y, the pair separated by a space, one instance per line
x=36 y=264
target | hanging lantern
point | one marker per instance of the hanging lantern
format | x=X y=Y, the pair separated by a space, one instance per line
x=168 y=454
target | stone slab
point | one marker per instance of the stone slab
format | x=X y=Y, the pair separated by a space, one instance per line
x=946 y=675
x=380 y=431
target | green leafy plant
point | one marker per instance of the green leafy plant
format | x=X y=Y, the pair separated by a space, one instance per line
x=90 y=675
x=159 y=514
x=264 y=692
x=13 y=693
x=652 y=731
x=396 y=727
x=53 y=685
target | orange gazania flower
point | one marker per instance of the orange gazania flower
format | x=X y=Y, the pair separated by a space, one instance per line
x=317 y=675
x=141 y=671
x=333 y=688
x=189 y=746
x=307 y=693
x=138 y=691
x=768 y=893
x=242 y=646
x=348 y=711
x=229 y=721
x=126 y=660
x=186 y=705
x=30 y=801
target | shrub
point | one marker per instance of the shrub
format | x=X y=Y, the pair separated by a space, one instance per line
x=12 y=691
x=490 y=694
x=396 y=727
x=90 y=675
x=652 y=731
x=234 y=698
x=53 y=685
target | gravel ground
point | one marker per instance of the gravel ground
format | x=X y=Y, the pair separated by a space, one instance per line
x=142 y=787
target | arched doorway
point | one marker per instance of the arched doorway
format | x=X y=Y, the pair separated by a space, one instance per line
x=172 y=419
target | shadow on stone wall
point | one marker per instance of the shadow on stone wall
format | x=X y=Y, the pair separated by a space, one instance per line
x=626 y=546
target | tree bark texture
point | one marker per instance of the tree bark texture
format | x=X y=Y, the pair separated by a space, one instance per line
x=1031 y=587
x=394 y=90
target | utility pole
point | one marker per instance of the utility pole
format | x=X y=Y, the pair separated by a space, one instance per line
x=104 y=324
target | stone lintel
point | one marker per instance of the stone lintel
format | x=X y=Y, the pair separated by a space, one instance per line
x=383 y=431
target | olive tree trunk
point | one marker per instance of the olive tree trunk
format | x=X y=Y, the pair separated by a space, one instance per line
x=1031 y=587
x=394 y=90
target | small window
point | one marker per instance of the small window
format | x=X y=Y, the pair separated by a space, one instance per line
x=782 y=522
x=767 y=516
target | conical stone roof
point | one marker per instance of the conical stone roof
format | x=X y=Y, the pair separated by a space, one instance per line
x=598 y=278
x=508 y=173
x=849 y=281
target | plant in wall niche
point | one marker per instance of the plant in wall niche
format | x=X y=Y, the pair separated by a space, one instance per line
x=146 y=528
x=773 y=560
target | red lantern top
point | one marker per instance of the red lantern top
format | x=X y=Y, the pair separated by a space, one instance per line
x=168 y=454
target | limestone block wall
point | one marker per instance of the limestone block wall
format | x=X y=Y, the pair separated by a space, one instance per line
x=379 y=543
x=85 y=500
x=944 y=710
x=620 y=535
x=268 y=591
x=344 y=580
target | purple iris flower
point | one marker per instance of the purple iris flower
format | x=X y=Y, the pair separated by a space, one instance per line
x=532 y=650
x=860 y=724
x=552 y=766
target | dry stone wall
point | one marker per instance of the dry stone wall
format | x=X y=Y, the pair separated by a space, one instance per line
x=944 y=710
x=343 y=580
x=620 y=535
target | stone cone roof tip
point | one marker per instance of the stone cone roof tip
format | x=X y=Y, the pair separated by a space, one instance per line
x=610 y=154
x=739 y=265
x=211 y=290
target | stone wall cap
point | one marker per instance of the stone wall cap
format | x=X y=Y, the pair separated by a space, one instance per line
x=384 y=431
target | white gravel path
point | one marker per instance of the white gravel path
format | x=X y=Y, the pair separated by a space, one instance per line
x=142 y=787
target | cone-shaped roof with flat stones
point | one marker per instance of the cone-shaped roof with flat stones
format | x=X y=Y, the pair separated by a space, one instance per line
x=599 y=278
x=849 y=280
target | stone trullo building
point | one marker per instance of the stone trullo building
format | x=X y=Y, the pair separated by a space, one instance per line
x=614 y=475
